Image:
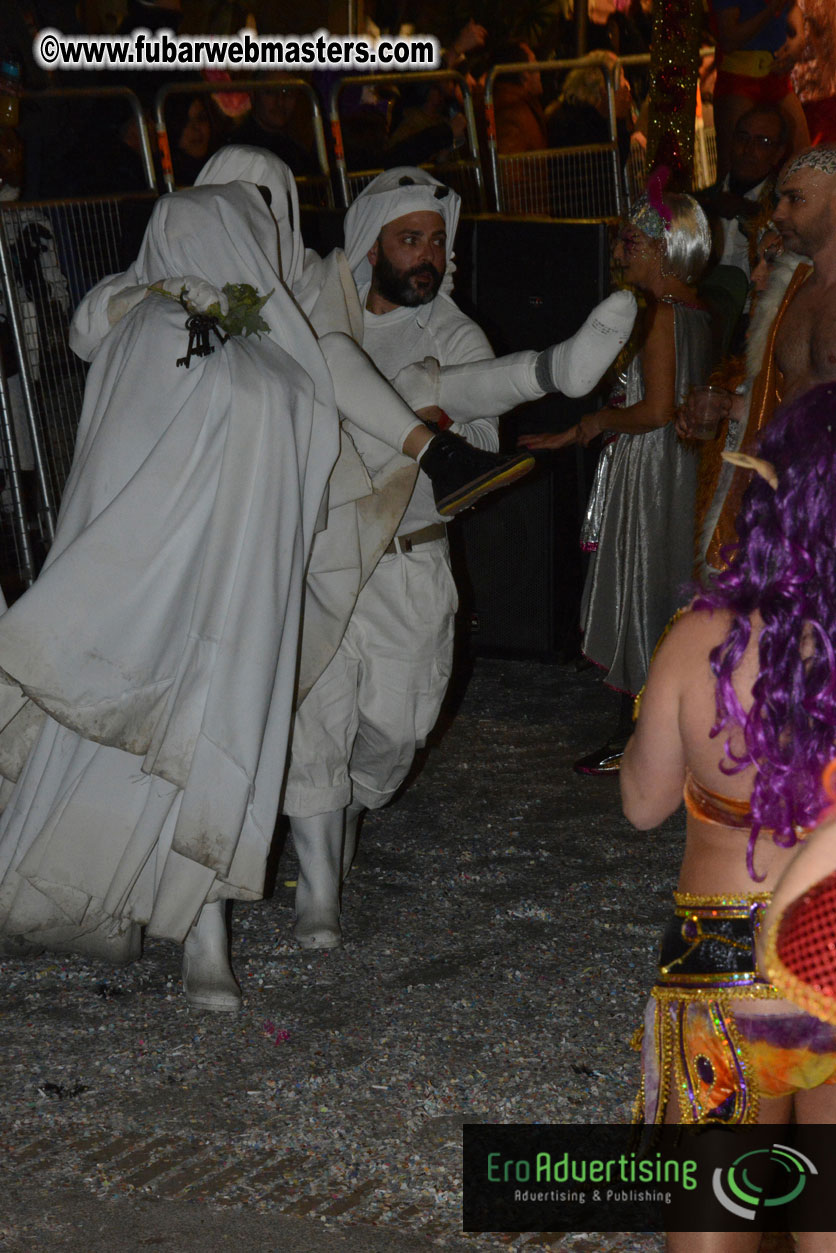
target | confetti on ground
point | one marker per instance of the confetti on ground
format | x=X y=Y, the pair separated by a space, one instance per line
x=501 y=921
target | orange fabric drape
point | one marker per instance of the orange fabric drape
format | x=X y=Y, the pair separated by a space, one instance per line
x=767 y=394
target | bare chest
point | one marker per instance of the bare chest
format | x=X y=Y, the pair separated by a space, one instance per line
x=805 y=346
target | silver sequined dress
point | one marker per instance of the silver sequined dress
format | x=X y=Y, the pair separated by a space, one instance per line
x=638 y=577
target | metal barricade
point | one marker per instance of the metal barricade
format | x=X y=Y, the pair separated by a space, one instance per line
x=51 y=253
x=635 y=172
x=464 y=174
x=315 y=190
x=579 y=183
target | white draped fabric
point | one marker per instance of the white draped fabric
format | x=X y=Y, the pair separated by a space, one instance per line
x=162 y=636
x=364 y=510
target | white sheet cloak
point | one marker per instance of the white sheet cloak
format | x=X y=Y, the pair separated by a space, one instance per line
x=162 y=635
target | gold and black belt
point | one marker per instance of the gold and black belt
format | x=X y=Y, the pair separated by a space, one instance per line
x=711 y=940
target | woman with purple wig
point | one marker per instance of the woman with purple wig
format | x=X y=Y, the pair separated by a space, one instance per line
x=739 y=715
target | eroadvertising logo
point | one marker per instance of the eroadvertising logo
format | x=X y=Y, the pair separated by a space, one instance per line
x=739 y=1191
x=588 y=1178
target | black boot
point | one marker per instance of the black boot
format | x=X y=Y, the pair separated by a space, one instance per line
x=604 y=760
x=460 y=473
x=607 y=758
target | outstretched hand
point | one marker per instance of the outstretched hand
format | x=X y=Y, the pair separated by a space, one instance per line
x=590 y=427
x=550 y=440
x=470 y=37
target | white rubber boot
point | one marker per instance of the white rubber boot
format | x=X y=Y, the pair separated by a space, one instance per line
x=575 y=366
x=208 y=980
x=353 y=814
x=319 y=845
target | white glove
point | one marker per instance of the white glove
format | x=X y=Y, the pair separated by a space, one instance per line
x=418 y=383
x=125 y=300
x=197 y=293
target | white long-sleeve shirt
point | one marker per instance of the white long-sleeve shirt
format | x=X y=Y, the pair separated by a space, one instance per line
x=405 y=335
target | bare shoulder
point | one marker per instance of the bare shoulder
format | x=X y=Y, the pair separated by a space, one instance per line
x=660 y=318
x=692 y=636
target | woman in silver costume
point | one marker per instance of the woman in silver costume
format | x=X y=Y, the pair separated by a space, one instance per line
x=642 y=507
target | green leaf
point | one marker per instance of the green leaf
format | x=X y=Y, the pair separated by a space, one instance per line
x=244 y=314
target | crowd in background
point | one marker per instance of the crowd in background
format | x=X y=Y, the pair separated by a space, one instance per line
x=94 y=147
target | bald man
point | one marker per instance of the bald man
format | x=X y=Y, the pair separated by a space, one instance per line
x=805 y=340
x=801 y=345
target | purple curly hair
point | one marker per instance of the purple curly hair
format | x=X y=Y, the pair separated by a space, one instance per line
x=784 y=566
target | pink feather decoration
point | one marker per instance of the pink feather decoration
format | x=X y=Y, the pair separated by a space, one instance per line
x=656 y=184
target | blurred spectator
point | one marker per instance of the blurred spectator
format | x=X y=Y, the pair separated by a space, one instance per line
x=113 y=163
x=582 y=114
x=153 y=15
x=223 y=17
x=640 y=13
x=612 y=29
x=518 y=109
x=365 y=113
x=191 y=136
x=269 y=126
x=430 y=128
x=739 y=205
x=814 y=76
x=609 y=28
x=738 y=208
x=521 y=128
x=470 y=38
x=20 y=22
x=756 y=56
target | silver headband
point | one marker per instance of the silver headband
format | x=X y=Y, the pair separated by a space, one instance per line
x=647 y=218
x=822 y=158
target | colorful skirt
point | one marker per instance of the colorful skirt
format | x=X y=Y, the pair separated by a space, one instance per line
x=698 y=1040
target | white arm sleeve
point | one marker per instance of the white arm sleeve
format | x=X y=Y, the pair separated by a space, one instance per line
x=469 y=391
x=362 y=393
x=90 y=321
x=111 y=299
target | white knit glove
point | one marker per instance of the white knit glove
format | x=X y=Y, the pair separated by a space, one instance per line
x=418 y=384
x=125 y=300
x=199 y=296
x=197 y=293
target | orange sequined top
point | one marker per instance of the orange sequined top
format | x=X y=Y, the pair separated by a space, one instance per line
x=722 y=811
x=708 y=806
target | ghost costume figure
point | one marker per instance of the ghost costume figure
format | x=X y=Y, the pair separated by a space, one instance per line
x=158 y=647
x=325 y=291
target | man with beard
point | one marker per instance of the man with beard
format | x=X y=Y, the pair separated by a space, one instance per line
x=374 y=704
x=358 y=728
x=801 y=345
